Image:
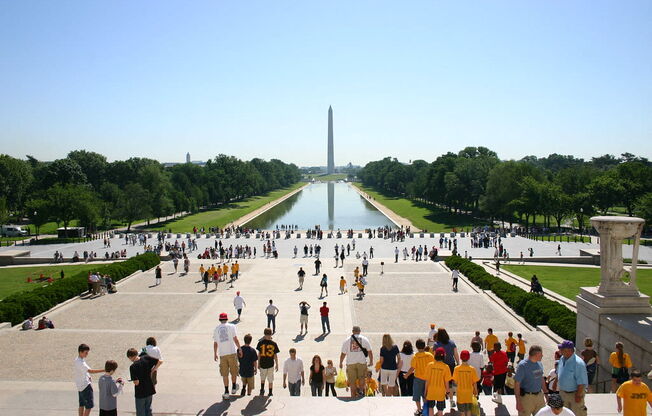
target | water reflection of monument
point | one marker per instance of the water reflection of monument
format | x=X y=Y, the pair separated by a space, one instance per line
x=331 y=205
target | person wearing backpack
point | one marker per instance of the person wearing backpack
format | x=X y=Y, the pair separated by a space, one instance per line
x=324 y=285
x=356 y=349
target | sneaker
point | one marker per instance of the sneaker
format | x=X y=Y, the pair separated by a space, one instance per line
x=497 y=399
x=234 y=389
x=244 y=390
x=270 y=394
x=453 y=404
x=226 y=396
x=262 y=392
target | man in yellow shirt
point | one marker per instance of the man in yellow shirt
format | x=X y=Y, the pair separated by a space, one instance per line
x=510 y=347
x=201 y=271
x=438 y=375
x=236 y=269
x=418 y=367
x=489 y=341
x=466 y=379
x=635 y=394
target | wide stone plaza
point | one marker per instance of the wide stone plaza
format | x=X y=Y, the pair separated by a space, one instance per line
x=402 y=301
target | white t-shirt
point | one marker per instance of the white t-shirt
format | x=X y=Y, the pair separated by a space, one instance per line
x=406 y=360
x=271 y=310
x=82 y=378
x=547 y=411
x=431 y=335
x=293 y=369
x=223 y=335
x=238 y=302
x=153 y=351
x=354 y=354
x=476 y=360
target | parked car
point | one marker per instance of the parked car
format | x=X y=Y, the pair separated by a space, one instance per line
x=12 y=231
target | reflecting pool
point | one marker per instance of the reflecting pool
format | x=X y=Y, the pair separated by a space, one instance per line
x=330 y=205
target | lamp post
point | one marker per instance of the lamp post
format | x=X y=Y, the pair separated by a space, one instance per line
x=581 y=222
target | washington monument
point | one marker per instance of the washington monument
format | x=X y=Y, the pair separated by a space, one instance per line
x=331 y=162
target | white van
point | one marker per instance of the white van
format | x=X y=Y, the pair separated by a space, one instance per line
x=12 y=231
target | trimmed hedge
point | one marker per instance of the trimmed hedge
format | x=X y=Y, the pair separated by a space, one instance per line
x=20 y=306
x=56 y=240
x=537 y=310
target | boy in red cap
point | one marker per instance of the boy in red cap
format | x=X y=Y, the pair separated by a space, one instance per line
x=466 y=379
x=226 y=349
x=438 y=375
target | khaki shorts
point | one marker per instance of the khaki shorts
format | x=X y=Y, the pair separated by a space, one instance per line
x=229 y=364
x=532 y=403
x=355 y=372
x=303 y=320
x=267 y=374
x=248 y=382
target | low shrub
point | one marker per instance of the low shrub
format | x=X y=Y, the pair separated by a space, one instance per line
x=537 y=310
x=55 y=240
x=20 y=306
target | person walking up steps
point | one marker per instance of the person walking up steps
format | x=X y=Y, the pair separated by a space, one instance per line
x=158 y=274
x=303 y=315
x=529 y=383
x=301 y=274
x=271 y=311
x=325 y=321
x=456 y=276
x=324 y=285
x=267 y=360
x=293 y=374
x=226 y=350
x=239 y=303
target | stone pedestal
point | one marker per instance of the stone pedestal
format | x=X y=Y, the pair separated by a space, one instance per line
x=615 y=310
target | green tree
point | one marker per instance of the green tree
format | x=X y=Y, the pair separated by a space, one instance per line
x=606 y=191
x=15 y=180
x=644 y=208
x=38 y=212
x=93 y=166
x=134 y=204
x=65 y=202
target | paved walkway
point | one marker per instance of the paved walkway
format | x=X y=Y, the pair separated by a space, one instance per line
x=403 y=301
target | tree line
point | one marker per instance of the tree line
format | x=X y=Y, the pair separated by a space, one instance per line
x=84 y=186
x=557 y=188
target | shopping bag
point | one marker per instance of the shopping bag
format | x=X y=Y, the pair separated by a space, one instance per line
x=475 y=407
x=340 y=380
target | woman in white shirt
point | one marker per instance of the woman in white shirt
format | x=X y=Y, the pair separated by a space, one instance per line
x=404 y=361
x=476 y=360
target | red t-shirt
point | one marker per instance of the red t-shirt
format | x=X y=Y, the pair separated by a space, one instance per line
x=323 y=311
x=499 y=360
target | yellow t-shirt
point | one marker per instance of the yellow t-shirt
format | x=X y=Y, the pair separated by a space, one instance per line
x=508 y=342
x=372 y=384
x=521 y=346
x=202 y=270
x=225 y=269
x=465 y=377
x=489 y=341
x=438 y=374
x=356 y=272
x=342 y=283
x=634 y=397
x=419 y=362
x=613 y=360
x=211 y=271
x=360 y=285
x=236 y=267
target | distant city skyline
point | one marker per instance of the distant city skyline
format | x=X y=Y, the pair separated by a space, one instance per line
x=411 y=80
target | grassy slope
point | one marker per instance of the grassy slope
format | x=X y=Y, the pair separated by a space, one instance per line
x=423 y=216
x=14 y=279
x=224 y=215
x=567 y=280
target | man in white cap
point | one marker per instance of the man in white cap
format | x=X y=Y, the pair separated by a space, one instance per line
x=239 y=303
x=226 y=350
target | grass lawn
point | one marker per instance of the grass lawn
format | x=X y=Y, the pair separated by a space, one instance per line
x=567 y=280
x=224 y=215
x=14 y=279
x=424 y=216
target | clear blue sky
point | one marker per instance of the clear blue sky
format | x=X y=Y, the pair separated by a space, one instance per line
x=255 y=78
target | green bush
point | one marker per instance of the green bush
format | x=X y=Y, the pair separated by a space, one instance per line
x=20 y=306
x=55 y=240
x=536 y=310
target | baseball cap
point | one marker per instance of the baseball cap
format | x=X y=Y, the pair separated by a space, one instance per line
x=566 y=344
x=465 y=355
x=440 y=351
x=224 y=317
x=237 y=293
x=555 y=401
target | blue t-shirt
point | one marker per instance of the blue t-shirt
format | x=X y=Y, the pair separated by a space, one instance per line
x=450 y=358
x=249 y=357
x=530 y=375
x=389 y=358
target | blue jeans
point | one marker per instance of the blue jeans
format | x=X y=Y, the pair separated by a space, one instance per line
x=295 y=388
x=271 y=322
x=325 y=323
x=144 y=406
